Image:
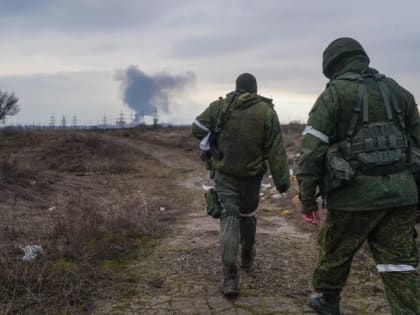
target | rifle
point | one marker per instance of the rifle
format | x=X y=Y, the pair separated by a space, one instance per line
x=208 y=156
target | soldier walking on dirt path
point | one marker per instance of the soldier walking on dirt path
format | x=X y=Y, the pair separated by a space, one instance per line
x=360 y=147
x=242 y=133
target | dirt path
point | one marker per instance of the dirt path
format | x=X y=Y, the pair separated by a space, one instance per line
x=183 y=274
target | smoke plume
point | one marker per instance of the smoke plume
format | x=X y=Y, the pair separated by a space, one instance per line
x=143 y=93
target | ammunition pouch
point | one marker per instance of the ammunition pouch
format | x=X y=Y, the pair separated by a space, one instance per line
x=377 y=148
x=338 y=171
x=414 y=159
x=214 y=207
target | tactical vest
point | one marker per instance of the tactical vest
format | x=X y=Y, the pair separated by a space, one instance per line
x=241 y=141
x=378 y=148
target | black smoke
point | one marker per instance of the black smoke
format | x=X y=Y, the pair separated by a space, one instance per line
x=144 y=93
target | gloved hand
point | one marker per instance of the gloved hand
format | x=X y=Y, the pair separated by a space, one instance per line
x=312 y=217
x=310 y=211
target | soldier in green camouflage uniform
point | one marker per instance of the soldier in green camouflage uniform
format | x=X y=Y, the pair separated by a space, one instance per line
x=249 y=138
x=357 y=148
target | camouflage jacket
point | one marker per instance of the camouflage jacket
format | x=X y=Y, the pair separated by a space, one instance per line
x=329 y=122
x=250 y=137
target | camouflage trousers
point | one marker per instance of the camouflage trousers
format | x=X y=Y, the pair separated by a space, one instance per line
x=390 y=234
x=239 y=198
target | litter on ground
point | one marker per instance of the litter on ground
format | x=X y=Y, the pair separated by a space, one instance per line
x=31 y=252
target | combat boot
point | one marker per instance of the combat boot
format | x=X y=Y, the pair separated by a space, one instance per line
x=247 y=258
x=230 y=288
x=325 y=304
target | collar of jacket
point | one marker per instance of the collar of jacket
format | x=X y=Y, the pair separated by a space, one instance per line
x=354 y=64
x=245 y=100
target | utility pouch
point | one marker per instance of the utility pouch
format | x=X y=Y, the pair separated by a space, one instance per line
x=214 y=207
x=338 y=171
x=414 y=159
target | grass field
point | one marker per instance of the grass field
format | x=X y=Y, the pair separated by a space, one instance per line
x=120 y=218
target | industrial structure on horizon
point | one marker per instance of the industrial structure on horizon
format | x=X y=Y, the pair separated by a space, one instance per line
x=64 y=123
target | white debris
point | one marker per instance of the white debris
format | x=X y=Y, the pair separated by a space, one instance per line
x=52 y=208
x=206 y=187
x=31 y=252
x=276 y=196
x=320 y=202
x=162 y=209
x=291 y=172
x=265 y=186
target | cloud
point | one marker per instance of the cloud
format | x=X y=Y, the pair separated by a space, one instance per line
x=79 y=15
x=281 y=42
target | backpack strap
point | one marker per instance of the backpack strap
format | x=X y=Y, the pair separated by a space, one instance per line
x=362 y=99
x=391 y=102
x=385 y=96
x=361 y=92
x=365 y=103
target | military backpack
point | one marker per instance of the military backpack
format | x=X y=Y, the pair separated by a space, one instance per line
x=370 y=148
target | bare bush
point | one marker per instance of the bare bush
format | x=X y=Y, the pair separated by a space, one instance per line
x=94 y=229
x=15 y=172
x=19 y=179
x=48 y=285
x=83 y=233
x=8 y=105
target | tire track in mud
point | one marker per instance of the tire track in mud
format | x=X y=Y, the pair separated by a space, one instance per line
x=183 y=274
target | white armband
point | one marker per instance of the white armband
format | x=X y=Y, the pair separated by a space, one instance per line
x=309 y=130
x=201 y=126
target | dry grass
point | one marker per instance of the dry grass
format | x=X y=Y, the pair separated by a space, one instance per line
x=171 y=137
x=85 y=224
x=79 y=152
x=76 y=241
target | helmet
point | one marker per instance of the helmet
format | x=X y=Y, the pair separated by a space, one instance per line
x=337 y=49
x=246 y=82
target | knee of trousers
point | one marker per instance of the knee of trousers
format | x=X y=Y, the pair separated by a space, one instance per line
x=230 y=210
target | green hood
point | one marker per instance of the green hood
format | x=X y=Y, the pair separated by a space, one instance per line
x=242 y=100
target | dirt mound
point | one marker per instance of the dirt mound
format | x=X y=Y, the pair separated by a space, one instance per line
x=34 y=163
x=91 y=152
x=170 y=137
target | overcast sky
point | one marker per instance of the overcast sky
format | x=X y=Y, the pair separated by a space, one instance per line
x=66 y=57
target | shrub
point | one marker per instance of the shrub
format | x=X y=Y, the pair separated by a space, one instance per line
x=79 y=239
